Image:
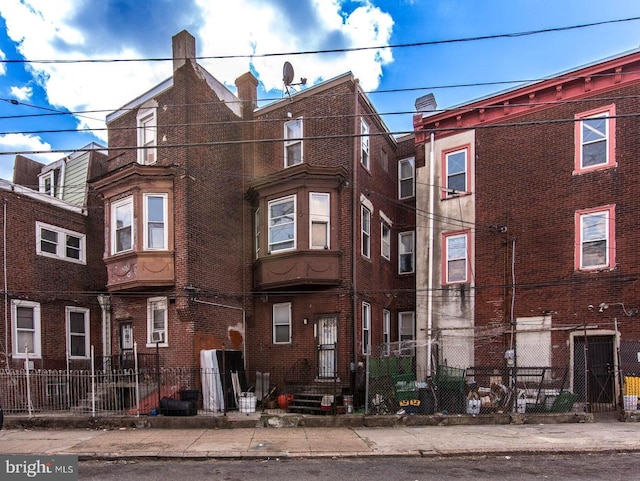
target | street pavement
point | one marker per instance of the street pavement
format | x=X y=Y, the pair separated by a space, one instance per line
x=339 y=442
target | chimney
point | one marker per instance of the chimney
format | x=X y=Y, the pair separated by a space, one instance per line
x=247 y=86
x=184 y=48
x=426 y=103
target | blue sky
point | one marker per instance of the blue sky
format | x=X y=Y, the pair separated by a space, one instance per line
x=130 y=29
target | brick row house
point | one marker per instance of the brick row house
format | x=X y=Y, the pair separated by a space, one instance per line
x=52 y=262
x=284 y=231
x=535 y=233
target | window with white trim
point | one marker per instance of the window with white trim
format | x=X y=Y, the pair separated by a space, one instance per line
x=53 y=241
x=293 y=142
x=595 y=142
x=366 y=328
x=319 y=216
x=406 y=174
x=256 y=232
x=595 y=231
x=386 y=331
x=456 y=257
x=406 y=332
x=122 y=225
x=282 y=323
x=282 y=224
x=366 y=232
x=77 y=332
x=385 y=240
x=26 y=331
x=147 y=133
x=406 y=253
x=155 y=221
x=364 y=144
x=50 y=182
x=456 y=164
x=157 y=322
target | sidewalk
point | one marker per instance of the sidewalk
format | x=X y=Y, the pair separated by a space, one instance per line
x=305 y=441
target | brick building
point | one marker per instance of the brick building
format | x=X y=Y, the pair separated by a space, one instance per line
x=52 y=262
x=265 y=230
x=536 y=243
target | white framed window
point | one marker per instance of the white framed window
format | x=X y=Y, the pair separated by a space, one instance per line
x=53 y=241
x=26 y=329
x=256 y=232
x=282 y=224
x=456 y=257
x=50 y=182
x=293 y=142
x=595 y=234
x=456 y=167
x=386 y=331
x=147 y=133
x=385 y=240
x=406 y=252
x=406 y=332
x=319 y=218
x=366 y=328
x=595 y=141
x=365 y=157
x=366 y=232
x=282 y=323
x=157 y=322
x=406 y=170
x=155 y=221
x=122 y=225
x=77 y=320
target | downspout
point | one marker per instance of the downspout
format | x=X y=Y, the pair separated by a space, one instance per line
x=354 y=236
x=105 y=306
x=4 y=272
x=431 y=230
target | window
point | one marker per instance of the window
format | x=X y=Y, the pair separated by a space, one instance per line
x=405 y=178
x=157 y=321
x=594 y=138
x=456 y=258
x=319 y=208
x=126 y=336
x=282 y=224
x=406 y=332
x=366 y=232
x=293 y=142
x=384 y=161
x=121 y=225
x=406 y=253
x=155 y=221
x=25 y=317
x=77 y=332
x=386 y=331
x=456 y=166
x=256 y=232
x=366 y=328
x=282 y=323
x=364 y=143
x=595 y=231
x=57 y=242
x=50 y=182
x=146 y=121
x=385 y=240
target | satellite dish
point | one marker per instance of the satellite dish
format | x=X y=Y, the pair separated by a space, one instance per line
x=287 y=73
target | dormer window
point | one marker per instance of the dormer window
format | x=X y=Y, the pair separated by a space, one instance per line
x=49 y=182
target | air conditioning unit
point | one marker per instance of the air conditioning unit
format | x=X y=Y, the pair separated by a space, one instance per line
x=157 y=336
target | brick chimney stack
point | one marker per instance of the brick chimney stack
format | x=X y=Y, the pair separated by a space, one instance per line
x=247 y=86
x=184 y=48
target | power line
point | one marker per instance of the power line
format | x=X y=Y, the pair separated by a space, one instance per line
x=337 y=50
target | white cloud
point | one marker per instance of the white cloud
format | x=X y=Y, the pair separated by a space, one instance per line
x=3 y=67
x=13 y=143
x=43 y=29
x=21 y=93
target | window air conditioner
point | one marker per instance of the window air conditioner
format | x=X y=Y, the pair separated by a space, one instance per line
x=157 y=336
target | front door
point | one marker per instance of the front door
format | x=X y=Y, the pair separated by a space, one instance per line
x=326 y=339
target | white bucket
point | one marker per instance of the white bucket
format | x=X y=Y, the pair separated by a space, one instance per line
x=473 y=406
x=247 y=402
x=521 y=405
x=630 y=402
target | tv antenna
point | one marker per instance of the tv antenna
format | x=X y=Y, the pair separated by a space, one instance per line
x=287 y=78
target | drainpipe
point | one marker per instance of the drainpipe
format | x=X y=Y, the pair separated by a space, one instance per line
x=6 y=294
x=105 y=306
x=431 y=230
x=354 y=235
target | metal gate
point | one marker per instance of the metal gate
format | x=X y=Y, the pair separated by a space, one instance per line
x=327 y=338
x=594 y=372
